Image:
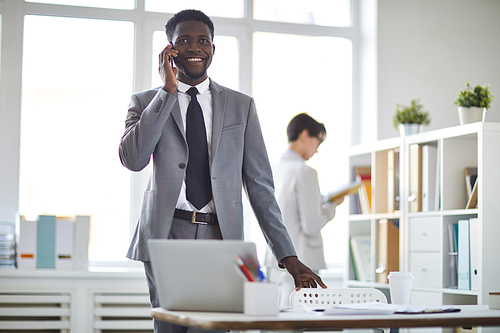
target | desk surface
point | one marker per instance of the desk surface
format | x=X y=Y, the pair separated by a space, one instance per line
x=470 y=315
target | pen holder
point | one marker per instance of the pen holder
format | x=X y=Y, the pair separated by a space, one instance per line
x=261 y=299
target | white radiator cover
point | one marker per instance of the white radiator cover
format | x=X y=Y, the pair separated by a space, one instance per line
x=74 y=301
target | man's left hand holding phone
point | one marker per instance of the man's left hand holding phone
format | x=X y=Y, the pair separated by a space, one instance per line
x=167 y=70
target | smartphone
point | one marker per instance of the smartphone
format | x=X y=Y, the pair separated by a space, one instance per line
x=172 y=59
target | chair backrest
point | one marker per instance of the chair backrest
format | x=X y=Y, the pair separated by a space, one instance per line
x=320 y=298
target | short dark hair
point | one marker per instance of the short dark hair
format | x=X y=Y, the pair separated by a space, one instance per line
x=188 y=15
x=301 y=122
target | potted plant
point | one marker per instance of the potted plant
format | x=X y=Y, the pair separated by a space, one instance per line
x=409 y=119
x=473 y=103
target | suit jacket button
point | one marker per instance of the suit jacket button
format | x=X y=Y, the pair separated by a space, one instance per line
x=182 y=165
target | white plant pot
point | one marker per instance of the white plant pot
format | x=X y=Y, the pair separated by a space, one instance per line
x=409 y=129
x=471 y=114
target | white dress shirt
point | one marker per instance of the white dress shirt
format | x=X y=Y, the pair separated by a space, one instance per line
x=205 y=100
x=301 y=203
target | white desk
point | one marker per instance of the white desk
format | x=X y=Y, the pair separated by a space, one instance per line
x=470 y=315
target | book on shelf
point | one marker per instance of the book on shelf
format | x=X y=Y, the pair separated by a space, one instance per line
x=361 y=255
x=470 y=180
x=415 y=199
x=387 y=249
x=348 y=189
x=363 y=174
x=393 y=180
x=472 y=201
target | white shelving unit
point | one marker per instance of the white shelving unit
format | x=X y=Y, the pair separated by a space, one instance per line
x=423 y=235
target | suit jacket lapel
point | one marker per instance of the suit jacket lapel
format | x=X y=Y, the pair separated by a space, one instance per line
x=218 y=110
x=176 y=114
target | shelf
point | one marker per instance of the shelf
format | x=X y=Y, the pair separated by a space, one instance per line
x=448 y=291
x=434 y=174
x=367 y=284
x=125 y=273
x=369 y=217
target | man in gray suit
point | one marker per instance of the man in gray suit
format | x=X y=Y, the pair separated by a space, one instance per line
x=156 y=125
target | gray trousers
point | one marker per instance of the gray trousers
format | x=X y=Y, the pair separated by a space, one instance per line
x=181 y=229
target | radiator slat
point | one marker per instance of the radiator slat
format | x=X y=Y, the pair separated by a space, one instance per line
x=33 y=298
x=34 y=312
x=124 y=325
x=141 y=312
x=122 y=311
x=34 y=325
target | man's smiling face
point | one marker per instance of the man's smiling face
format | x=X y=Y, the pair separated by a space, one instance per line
x=193 y=41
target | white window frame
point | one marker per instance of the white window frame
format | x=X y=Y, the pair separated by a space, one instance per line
x=12 y=20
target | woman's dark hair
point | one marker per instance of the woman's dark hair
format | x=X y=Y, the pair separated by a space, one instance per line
x=304 y=121
x=188 y=15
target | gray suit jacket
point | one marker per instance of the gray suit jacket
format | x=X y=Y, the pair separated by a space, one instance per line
x=239 y=158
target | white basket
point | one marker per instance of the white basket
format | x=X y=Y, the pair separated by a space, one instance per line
x=321 y=298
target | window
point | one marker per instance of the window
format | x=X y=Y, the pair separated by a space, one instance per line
x=117 y=4
x=316 y=79
x=81 y=61
x=76 y=85
x=317 y=12
x=220 y=8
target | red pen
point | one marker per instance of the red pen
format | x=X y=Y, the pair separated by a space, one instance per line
x=244 y=269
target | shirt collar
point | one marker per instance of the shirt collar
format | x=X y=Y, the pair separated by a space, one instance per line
x=292 y=154
x=202 y=87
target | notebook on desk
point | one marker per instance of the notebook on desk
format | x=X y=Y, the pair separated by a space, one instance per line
x=200 y=275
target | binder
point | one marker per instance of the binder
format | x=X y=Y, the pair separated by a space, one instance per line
x=81 y=242
x=65 y=229
x=46 y=242
x=429 y=177
x=452 y=239
x=387 y=249
x=26 y=243
x=474 y=253
x=415 y=199
x=463 y=255
x=393 y=180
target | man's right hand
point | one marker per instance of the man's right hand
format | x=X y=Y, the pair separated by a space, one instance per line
x=167 y=73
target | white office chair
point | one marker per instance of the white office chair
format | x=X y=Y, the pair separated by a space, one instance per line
x=322 y=298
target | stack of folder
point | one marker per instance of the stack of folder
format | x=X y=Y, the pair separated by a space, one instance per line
x=53 y=242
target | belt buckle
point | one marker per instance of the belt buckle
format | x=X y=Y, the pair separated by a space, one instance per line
x=193 y=219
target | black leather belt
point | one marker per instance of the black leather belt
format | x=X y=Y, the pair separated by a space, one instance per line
x=196 y=217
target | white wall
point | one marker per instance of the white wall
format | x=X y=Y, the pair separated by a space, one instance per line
x=428 y=49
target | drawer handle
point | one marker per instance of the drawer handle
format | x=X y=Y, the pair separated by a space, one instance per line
x=424 y=270
x=424 y=234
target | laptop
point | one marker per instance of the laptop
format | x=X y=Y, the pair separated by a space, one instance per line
x=200 y=275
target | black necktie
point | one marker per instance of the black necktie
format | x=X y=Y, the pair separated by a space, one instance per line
x=198 y=186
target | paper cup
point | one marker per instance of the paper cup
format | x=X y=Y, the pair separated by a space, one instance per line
x=494 y=298
x=400 y=287
x=261 y=299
